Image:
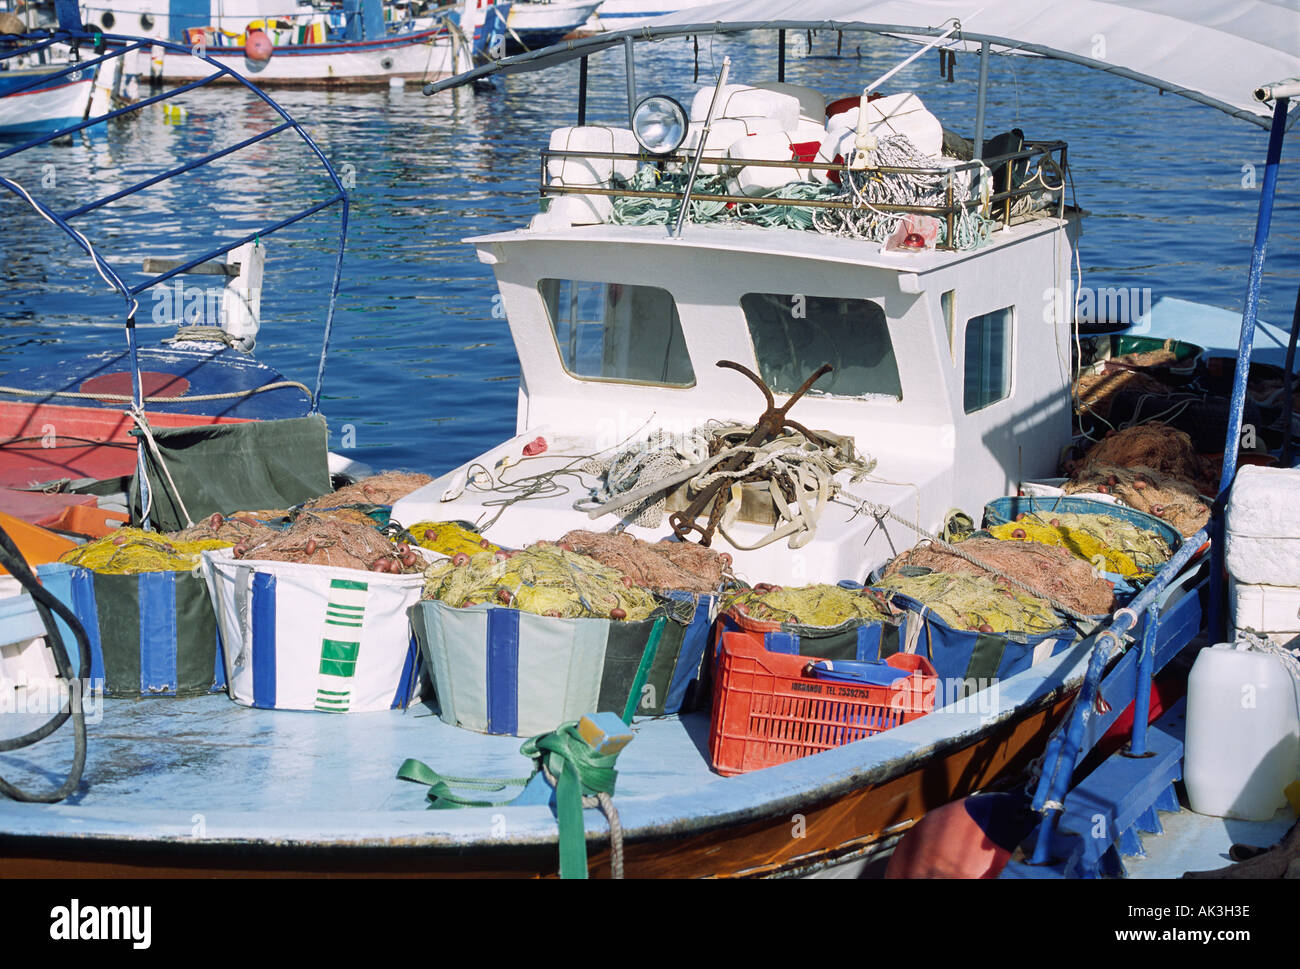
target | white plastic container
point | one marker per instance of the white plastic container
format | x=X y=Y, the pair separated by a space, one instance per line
x=1243 y=733
x=743 y=101
x=591 y=171
x=1262 y=524
x=812 y=103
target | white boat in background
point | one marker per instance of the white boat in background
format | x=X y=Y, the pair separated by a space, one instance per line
x=33 y=100
x=622 y=14
x=354 y=45
x=534 y=25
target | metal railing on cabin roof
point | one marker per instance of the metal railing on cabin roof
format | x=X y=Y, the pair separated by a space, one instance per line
x=1000 y=203
x=110 y=47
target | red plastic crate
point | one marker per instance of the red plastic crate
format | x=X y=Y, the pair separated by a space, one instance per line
x=769 y=708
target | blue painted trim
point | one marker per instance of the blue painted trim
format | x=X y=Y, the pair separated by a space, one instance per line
x=263 y=622
x=406 y=682
x=156 y=599
x=219 y=665
x=84 y=605
x=503 y=670
x=695 y=642
x=781 y=642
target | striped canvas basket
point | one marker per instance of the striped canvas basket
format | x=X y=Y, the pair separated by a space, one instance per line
x=503 y=671
x=312 y=637
x=151 y=634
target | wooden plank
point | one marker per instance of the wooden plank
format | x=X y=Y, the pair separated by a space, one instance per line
x=154 y=265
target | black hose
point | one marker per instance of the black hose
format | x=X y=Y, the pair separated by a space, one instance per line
x=12 y=560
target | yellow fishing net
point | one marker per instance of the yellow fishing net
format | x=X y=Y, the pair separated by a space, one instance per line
x=545 y=580
x=809 y=605
x=977 y=602
x=1112 y=544
x=129 y=551
x=450 y=538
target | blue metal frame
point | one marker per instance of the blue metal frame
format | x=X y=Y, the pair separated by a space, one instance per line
x=72 y=33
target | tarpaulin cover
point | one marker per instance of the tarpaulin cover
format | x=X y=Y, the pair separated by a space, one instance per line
x=234 y=467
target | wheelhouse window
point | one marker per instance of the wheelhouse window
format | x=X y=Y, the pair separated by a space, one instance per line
x=794 y=334
x=617 y=331
x=988 y=359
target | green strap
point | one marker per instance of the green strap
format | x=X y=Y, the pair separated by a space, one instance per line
x=643 y=671
x=578 y=771
x=442 y=796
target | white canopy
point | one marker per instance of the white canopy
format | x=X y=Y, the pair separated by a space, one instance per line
x=1213 y=51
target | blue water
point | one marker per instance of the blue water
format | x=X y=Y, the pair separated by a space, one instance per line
x=421 y=375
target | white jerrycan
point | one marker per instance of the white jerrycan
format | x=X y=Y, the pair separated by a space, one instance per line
x=1243 y=733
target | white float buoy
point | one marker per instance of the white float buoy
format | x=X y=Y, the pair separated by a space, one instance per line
x=396 y=83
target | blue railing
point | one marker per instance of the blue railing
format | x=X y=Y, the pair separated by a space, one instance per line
x=109 y=47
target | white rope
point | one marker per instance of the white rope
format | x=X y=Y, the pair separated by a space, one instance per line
x=146 y=432
x=867 y=188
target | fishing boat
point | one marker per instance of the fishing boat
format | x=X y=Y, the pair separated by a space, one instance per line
x=36 y=95
x=353 y=46
x=627 y=330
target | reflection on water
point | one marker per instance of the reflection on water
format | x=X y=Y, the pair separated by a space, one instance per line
x=419 y=368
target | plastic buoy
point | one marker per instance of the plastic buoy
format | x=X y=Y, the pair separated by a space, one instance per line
x=258 y=46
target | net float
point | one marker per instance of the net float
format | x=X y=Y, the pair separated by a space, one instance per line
x=628 y=581
x=1158 y=510
x=725 y=559
x=1140 y=484
x=215 y=521
x=1103 y=489
x=239 y=551
x=1018 y=533
x=505 y=596
x=617 y=613
x=484 y=543
x=311 y=546
x=409 y=560
x=1056 y=523
x=985 y=628
x=501 y=556
x=379 y=565
x=430 y=536
x=258 y=46
x=460 y=558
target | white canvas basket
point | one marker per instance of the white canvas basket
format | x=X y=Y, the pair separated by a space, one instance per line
x=313 y=637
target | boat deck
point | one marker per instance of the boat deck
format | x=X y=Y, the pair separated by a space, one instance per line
x=206 y=770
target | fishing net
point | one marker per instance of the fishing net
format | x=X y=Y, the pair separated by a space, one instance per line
x=976 y=602
x=659 y=456
x=129 y=551
x=449 y=538
x=541 y=579
x=663 y=566
x=1049 y=569
x=1096 y=392
x=1112 y=544
x=312 y=540
x=379 y=489
x=809 y=605
x=232 y=531
x=1156 y=446
x=354 y=514
x=1161 y=495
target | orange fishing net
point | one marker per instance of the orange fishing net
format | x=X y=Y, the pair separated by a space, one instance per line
x=1050 y=570
x=313 y=540
x=1161 y=495
x=662 y=566
x=379 y=489
x=1156 y=446
x=235 y=530
x=1096 y=391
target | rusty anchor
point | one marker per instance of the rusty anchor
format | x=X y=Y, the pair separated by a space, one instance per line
x=768 y=426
